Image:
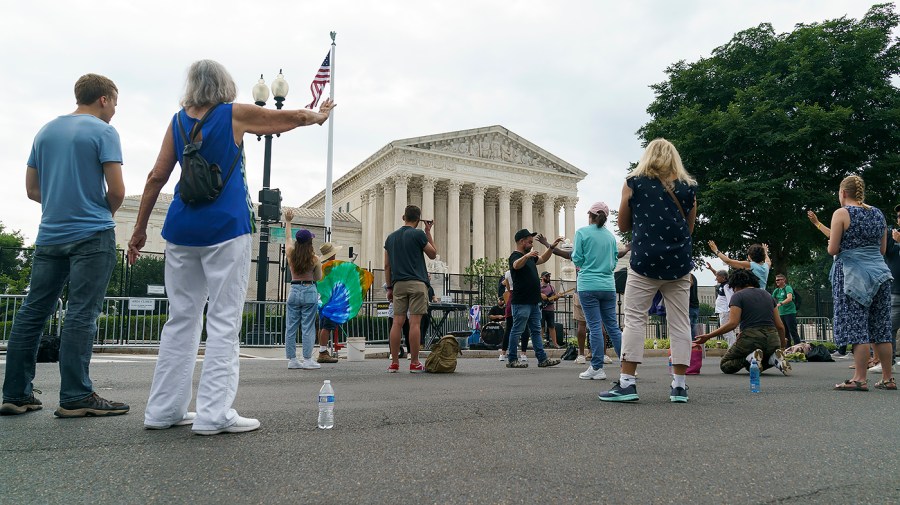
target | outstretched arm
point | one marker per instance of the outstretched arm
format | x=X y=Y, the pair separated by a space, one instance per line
x=248 y=118
x=815 y=221
x=728 y=261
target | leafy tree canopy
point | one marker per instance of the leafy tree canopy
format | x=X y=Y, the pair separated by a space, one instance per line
x=770 y=123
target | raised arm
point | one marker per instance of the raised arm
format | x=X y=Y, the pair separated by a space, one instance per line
x=548 y=252
x=728 y=261
x=159 y=175
x=288 y=232
x=814 y=219
x=248 y=118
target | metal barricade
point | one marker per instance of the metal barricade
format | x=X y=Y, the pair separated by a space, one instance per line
x=815 y=328
x=9 y=307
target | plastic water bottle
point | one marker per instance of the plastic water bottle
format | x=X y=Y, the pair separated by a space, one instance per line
x=671 y=372
x=326 y=406
x=754 y=376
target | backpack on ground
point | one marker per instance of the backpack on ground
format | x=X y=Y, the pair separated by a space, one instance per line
x=48 y=349
x=443 y=355
x=201 y=182
x=570 y=354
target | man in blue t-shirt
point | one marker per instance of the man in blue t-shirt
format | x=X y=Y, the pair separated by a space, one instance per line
x=75 y=173
x=407 y=280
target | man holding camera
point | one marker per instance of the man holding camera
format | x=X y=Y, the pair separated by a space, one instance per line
x=407 y=283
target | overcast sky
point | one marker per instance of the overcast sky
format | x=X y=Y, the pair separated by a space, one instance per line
x=571 y=76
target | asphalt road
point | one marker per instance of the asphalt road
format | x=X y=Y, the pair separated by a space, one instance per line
x=485 y=434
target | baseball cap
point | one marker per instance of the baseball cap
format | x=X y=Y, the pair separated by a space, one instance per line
x=524 y=233
x=303 y=236
x=599 y=208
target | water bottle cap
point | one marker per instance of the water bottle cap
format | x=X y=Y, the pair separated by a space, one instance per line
x=327 y=381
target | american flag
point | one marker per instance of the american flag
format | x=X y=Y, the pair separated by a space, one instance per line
x=320 y=80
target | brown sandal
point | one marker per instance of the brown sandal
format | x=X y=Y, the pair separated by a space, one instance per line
x=890 y=385
x=851 y=385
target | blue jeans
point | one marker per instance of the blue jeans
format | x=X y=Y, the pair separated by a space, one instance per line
x=87 y=264
x=694 y=315
x=301 y=312
x=526 y=315
x=599 y=309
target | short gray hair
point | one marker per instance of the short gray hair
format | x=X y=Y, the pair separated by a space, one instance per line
x=208 y=83
x=722 y=273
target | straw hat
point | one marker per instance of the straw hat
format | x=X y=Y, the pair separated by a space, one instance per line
x=329 y=250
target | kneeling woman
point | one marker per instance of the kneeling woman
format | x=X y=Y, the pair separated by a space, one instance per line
x=762 y=332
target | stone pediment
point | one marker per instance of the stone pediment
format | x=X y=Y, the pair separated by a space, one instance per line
x=493 y=143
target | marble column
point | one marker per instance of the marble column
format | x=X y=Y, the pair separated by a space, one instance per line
x=504 y=240
x=453 y=229
x=401 y=181
x=548 y=230
x=490 y=227
x=465 y=231
x=440 y=224
x=391 y=221
x=478 y=226
x=428 y=197
x=375 y=236
x=366 y=235
x=527 y=210
x=570 y=203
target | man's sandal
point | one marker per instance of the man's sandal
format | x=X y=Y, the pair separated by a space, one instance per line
x=890 y=385
x=851 y=385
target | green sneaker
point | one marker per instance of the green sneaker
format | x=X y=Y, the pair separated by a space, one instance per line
x=619 y=394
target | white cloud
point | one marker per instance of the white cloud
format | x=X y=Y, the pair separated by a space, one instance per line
x=570 y=76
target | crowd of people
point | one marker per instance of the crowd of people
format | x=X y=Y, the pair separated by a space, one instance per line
x=75 y=172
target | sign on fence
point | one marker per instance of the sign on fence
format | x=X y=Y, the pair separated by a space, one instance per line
x=135 y=304
x=276 y=235
x=155 y=289
x=381 y=309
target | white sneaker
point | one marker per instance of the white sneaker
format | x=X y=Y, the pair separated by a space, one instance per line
x=876 y=368
x=309 y=364
x=780 y=363
x=241 y=425
x=758 y=356
x=580 y=360
x=294 y=363
x=607 y=360
x=187 y=420
x=502 y=357
x=590 y=373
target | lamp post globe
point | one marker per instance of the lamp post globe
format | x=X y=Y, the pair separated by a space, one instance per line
x=261 y=91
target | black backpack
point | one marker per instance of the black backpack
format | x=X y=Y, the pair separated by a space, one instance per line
x=48 y=349
x=201 y=182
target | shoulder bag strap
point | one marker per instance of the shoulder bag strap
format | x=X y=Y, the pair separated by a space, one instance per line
x=233 y=164
x=675 y=199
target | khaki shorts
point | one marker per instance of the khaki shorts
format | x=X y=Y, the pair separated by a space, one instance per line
x=577 y=313
x=410 y=296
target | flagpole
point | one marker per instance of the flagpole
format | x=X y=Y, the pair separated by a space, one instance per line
x=328 y=202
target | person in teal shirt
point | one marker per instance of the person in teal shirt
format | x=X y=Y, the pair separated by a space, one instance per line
x=757 y=261
x=787 y=309
x=596 y=255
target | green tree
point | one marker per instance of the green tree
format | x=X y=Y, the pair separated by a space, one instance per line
x=15 y=262
x=770 y=123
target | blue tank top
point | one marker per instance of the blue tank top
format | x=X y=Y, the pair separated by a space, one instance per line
x=661 y=241
x=229 y=216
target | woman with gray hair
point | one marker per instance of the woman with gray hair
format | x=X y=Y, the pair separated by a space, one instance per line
x=207 y=251
x=659 y=207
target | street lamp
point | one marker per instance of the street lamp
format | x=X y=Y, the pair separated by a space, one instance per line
x=269 y=202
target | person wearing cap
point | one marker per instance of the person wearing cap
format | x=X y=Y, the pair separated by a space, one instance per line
x=526 y=298
x=595 y=255
x=659 y=208
x=548 y=309
x=303 y=299
x=326 y=326
x=407 y=280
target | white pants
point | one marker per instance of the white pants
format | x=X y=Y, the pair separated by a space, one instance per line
x=220 y=273
x=730 y=337
x=639 y=293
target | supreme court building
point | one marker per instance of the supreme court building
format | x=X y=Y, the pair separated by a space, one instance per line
x=479 y=186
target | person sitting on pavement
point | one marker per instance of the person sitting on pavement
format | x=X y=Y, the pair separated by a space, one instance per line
x=762 y=332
